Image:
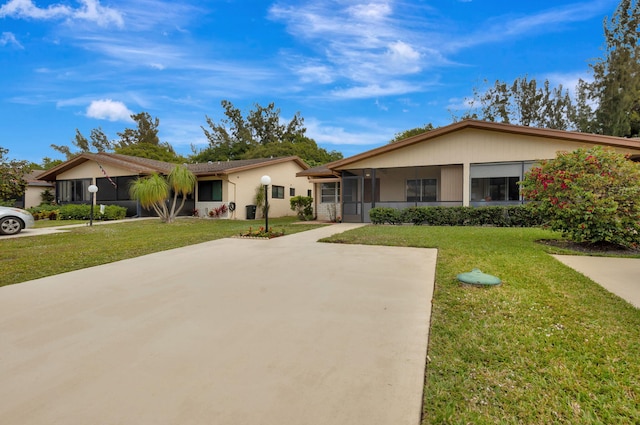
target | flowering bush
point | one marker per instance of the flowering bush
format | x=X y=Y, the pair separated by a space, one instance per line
x=262 y=233
x=590 y=195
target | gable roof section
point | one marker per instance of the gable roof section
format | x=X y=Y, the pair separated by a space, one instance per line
x=213 y=168
x=32 y=179
x=319 y=171
x=144 y=166
x=135 y=164
x=546 y=133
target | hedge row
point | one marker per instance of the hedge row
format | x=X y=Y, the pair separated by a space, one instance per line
x=77 y=212
x=498 y=216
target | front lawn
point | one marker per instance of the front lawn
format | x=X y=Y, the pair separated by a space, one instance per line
x=32 y=257
x=547 y=346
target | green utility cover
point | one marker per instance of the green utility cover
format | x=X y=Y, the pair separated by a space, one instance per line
x=476 y=277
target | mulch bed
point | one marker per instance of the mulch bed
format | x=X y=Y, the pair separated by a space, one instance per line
x=590 y=249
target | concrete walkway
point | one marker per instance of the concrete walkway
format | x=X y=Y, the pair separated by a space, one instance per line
x=618 y=275
x=233 y=331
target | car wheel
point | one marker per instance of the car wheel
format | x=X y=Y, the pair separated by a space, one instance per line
x=10 y=226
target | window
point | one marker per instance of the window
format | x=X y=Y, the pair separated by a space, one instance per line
x=277 y=192
x=422 y=190
x=73 y=190
x=329 y=192
x=292 y=191
x=210 y=190
x=108 y=192
x=309 y=192
x=495 y=189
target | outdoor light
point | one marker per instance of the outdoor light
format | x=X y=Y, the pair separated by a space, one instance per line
x=266 y=181
x=92 y=189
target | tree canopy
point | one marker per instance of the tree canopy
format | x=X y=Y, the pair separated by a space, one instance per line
x=616 y=85
x=142 y=141
x=610 y=104
x=524 y=102
x=261 y=134
x=12 y=173
x=412 y=132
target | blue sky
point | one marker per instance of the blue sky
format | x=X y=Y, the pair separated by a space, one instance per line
x=357 y=71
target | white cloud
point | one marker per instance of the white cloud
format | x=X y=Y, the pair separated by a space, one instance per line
x=90 y=10
x=107 y=109
x=315 y=73
x=375 y=90
x=26 y=9
x=403 y=58
x=509 y=27
x=369 y=44
x=327 y=134
x=8 y=38
x=370 y=11
x=93 y=11
x=381 y=106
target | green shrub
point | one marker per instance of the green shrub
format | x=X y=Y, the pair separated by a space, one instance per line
x=384 y=215
x=497 y=216
x=303 y=206
x=83 y=212
x=44 y=211
x=589 y=195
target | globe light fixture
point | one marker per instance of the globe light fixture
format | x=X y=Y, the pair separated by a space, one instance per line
x=92 y=189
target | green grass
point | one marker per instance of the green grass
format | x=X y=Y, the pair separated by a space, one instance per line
x=40 y=224
x=548 y=346
x=33 y=257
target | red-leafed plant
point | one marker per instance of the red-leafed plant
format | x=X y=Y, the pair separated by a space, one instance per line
x=590 y=195
x=218 y=211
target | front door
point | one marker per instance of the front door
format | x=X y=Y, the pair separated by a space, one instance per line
x=352 y=199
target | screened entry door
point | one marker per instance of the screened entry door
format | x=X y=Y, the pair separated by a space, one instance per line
x=352 y=199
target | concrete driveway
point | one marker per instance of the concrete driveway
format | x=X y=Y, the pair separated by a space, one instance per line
x=234 y=331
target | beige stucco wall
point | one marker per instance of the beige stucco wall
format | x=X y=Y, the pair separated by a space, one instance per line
x=473 y=146
x=451 y=183
x=470 y=146
x=32 y=196
x=241 y=187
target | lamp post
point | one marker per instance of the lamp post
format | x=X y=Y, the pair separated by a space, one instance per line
x=92 y=189
x=266 y=181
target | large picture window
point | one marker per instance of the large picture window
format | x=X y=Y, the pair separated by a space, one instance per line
x=422 y=190
x=120 y=192
x=73 y=190
x=495 y=189
x=210 y=190
x=329 y=193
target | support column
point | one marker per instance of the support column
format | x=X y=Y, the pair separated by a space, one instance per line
x=466 y=184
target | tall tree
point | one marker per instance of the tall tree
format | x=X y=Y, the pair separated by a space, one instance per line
x=523 y=102
x=12 y=182
x=583 y=115
x=305 y=148
x=616 y=85
x=141 y=141
x=234 y=136
x=99 y=142
x=145 y=132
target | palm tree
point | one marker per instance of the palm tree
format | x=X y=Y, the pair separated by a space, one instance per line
x=154 y=190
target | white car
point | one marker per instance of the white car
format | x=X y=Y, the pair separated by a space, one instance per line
x=13 y=220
